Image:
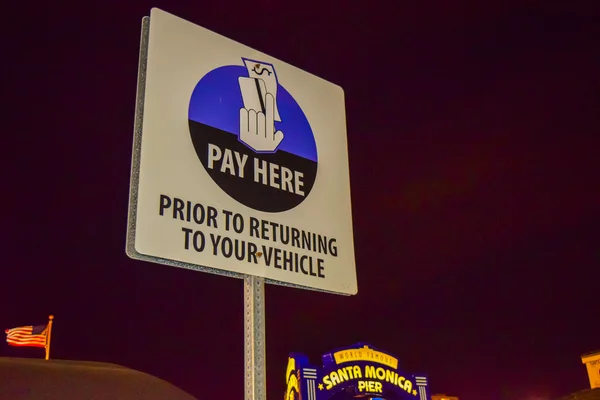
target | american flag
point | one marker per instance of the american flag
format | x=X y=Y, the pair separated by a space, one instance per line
x=34 y=336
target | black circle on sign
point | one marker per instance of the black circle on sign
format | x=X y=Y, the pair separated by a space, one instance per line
x=273 y=181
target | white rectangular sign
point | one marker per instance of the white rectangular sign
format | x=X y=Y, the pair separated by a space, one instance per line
x=240 y=163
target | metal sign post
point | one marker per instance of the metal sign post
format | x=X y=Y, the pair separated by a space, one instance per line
x=212 y=192
x=254 y=338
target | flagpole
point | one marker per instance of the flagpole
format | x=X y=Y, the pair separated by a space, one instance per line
x=48 y=336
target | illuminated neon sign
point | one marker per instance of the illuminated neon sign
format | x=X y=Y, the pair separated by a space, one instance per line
x=359 y=371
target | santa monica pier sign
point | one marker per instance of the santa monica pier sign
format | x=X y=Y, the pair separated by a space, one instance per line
x=359 y=371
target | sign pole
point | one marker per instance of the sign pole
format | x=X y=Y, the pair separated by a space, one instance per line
x=254 y=338
x=175 y=235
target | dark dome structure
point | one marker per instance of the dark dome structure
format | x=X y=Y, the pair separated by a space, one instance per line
x=36 y=379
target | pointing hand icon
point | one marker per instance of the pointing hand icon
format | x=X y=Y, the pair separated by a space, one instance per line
x=257 y=128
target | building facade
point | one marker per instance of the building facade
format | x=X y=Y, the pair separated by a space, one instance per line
x=592 y=364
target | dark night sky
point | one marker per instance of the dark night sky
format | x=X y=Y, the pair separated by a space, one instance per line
x=474 y=149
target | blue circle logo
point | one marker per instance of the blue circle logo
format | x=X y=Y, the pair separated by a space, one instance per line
x=252 y=137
